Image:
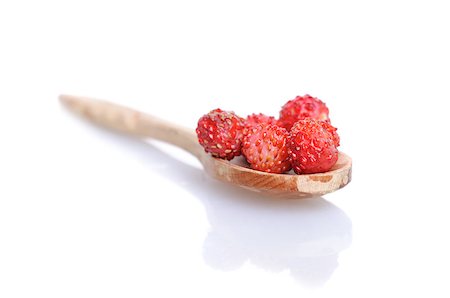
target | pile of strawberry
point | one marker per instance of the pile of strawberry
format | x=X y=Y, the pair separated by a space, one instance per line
x=302 y=139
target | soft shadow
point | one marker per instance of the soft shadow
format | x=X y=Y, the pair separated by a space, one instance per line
x=303 y=237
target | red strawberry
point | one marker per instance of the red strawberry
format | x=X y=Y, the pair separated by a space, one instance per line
x=302 y=107
x=311 y=147
x=220 y=133
x=266 y=149
x=255 y=119
x=333 y=131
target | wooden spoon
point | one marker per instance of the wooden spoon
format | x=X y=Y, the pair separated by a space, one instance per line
x=141 y=125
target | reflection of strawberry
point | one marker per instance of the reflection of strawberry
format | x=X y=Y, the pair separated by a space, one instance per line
x=265 y=148
x=311 y=147
x=302 y=107
x=220 y=133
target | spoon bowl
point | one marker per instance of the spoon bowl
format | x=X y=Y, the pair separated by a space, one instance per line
x=138 y=124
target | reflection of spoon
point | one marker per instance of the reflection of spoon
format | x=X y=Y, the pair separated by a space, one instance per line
x=143 y=125
x=303 y=237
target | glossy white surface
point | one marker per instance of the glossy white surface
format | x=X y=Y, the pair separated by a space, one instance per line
x=87 y=213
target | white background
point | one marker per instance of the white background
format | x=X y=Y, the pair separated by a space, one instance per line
x=87 y=213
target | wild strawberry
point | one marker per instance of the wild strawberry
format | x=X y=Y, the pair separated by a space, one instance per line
x=311 y=147
x=333 y=131
x=220 y=133
x=255 y=119
x=302 y=107
x=265 y=148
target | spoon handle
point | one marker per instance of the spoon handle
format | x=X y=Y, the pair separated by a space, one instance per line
x=132 y=122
